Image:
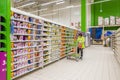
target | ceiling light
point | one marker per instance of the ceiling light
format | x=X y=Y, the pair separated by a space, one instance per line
x=44 y=4
x=99 y=2
x=48 y=14
x=39 y=10
x=70 y=6
x=27 y=4
x=61 y=2
x=48 y=3
x=67 y=7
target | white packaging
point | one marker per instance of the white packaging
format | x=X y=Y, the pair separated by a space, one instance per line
x=112 y=20
x=118 y=20
x=100 y=21
x=107 y=21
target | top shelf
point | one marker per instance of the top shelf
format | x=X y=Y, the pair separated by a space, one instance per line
x=40 y=18
x=105 y=26
x=26 y=21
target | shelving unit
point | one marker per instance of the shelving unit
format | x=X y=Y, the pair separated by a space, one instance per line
x=36 y=42
x=46 y=43
x=113 y=41
x=55 y=42
x=116 y=44
x=69 y=36
x=26 y=44
x=63 y=48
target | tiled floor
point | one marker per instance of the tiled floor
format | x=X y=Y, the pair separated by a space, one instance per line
x=98 y=64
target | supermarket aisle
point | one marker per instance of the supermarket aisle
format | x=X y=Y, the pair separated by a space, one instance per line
x=98 y=64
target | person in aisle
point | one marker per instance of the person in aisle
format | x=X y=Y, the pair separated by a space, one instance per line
x=81 y=44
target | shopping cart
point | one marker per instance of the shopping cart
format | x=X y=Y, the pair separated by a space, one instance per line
x=73 y=54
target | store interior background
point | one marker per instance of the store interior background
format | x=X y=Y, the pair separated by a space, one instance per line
x=67 y=12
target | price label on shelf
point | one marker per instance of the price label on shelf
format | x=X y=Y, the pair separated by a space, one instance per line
x=3 y=65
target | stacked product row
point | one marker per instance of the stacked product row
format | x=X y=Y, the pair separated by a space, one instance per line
x=112 y=38
x=111 y=20
x=27 y=45
x=69 y=40
x=46 y=43
x=55 y=42
x=117 y=45
x=36 y=43
x=62 y=54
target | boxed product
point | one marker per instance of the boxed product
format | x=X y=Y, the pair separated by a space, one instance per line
x=100 y=21
x=118 y=20
x=106 y=21
x=112 y=20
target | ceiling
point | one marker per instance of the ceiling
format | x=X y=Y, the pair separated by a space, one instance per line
x=37 y=5
x=42 y=7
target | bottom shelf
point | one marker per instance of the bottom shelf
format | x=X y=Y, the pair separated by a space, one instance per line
x=33 y=67
x=27 y=71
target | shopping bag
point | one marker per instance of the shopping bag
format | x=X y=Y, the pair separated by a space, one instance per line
x=80 y=45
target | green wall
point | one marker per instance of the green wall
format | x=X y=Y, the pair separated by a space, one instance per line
x=110 y=8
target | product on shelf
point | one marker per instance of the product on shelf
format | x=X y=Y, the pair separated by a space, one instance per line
x=36 y=43
x=24 y=44
x=100 y=21
x=116 y=43
x=62 y=42
x=118 y=20
x=112 y=20
x=106 y=21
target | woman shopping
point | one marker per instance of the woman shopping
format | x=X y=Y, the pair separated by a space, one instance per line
x=81 y=44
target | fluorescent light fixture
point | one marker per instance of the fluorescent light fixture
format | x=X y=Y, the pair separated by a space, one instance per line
x=61 y=2
x=39 y=10
x=70 y=6
x=48 y=14
x=99 y=2
x=67 y=7
x=26 y=5
x=48 y=3
x=44 y=4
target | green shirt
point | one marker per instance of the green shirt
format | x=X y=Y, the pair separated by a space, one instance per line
x=82 y=41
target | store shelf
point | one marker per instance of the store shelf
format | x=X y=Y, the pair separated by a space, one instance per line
x=25 y=21
x=23 y=47
x=22 y=74
x=23 y=34
x=22 y=40
x=27 y=72
x=23 y=67
x=115 y=41
x=23 y=54
x=38 y=37
x=23 y=27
